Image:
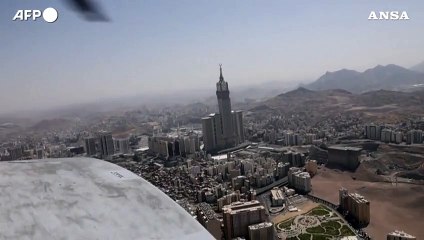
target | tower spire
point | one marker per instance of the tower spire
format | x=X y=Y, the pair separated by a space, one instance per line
x=221 y=78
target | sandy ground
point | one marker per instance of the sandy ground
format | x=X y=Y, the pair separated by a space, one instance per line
x=392 y=208
x=303 y=208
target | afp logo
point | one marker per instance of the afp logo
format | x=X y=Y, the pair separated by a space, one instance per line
x=49 y=15
x=388 y=15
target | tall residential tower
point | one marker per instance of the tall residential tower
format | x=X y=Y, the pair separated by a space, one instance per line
x=224 y=129
x=106 y=144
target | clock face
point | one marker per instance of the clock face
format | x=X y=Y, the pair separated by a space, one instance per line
x=222 y=86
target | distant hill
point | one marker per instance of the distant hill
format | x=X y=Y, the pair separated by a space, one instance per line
x=52 y=124
x=419 y=67
x=303 y=99
x=390 y=77
x=384 y=98
x=319 y=104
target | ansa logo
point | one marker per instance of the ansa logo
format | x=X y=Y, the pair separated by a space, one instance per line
x=388 y=15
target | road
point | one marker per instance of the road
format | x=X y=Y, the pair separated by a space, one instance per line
x=277 y=183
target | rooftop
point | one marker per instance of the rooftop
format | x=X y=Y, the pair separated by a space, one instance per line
x=260 y=225
x=206 y=210
x=302 y=174
x=344 y=148
x=220 y=157
x=277 y=194
x=400 y=234
x=236 y=207
x=85 y=198
x=358 y=197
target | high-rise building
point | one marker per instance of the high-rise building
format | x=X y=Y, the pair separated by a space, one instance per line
x=122 y=145
x=187 y=144
x=398 y=137
x=238 y=126
x=309 y=138
x=90 y=146
x=211 y=127
x=342 y=195
x=400 y=235
x=311 y=167
x=292 y=139
x=356 y=206
x=386 y=135
x=282 y=169
x=169 y=147
x=159 y=146
x=15 y=153
x=414 y=137
x=194 y=144
x=277 y=197
x=373 y=132
x=106 y=144
x=346 y=157
x=40 y=153
x=228 y=199
x=207 y=217
x=299 y=180
x=261 y=231
x=239 y=216
x=224 y=129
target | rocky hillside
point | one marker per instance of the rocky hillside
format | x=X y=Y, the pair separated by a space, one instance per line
x=390 y=77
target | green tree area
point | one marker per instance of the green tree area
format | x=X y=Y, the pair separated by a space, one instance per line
x=327 y=229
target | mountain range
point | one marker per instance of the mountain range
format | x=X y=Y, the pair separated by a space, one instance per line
x=389 y=77
x=419 y=67
x=373 y=105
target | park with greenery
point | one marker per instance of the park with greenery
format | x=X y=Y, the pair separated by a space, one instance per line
x=320 y=223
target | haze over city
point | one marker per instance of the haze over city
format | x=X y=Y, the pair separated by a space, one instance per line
x=157 y=47
x=195 y=119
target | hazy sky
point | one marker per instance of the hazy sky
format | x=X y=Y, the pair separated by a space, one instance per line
x=153 y=46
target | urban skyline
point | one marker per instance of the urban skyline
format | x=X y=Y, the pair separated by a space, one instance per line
x=122 y=109
x=255 y=187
